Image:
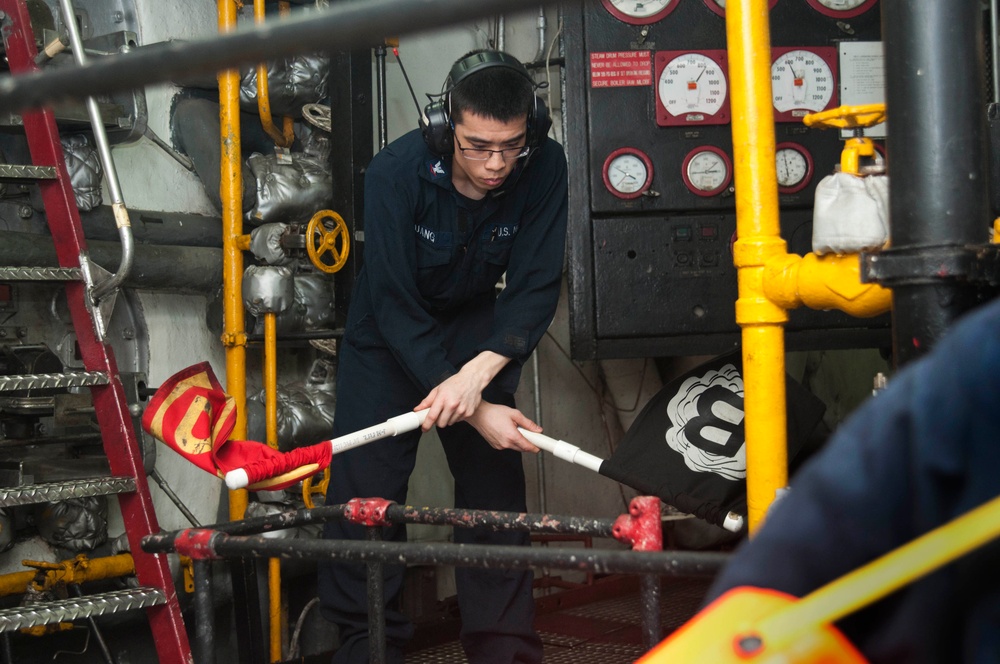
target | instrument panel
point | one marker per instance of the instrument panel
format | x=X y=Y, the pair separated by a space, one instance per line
x=658 y=147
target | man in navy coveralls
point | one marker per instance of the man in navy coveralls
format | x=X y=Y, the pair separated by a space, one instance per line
x=427 y=329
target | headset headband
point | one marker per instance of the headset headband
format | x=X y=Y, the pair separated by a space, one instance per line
x=475 y=62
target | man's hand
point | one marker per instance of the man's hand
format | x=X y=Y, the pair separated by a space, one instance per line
x=458 y=397
x=498 y=425
x=451 y=401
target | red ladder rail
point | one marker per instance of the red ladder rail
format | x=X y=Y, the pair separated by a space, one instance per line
x=111 y=407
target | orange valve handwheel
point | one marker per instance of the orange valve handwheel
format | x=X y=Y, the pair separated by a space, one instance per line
x=308 y=489
x=847 y=117
x=855 y=118
x=327 y=234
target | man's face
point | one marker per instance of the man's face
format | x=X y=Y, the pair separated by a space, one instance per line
x=474 y=178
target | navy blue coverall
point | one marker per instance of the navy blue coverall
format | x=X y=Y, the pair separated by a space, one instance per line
x=922 y=452
x=425 y=303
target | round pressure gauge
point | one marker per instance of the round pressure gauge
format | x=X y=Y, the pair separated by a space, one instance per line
x=842 y=8
x=691 y=88
x=640 y=12
x=719 y=6
x=628 y=173
x=802 y=82
x=795 y=167
x=707 y=171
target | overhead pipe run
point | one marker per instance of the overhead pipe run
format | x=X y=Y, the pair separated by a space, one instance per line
x=156 y=267
x=349 y=25
x=179 y=229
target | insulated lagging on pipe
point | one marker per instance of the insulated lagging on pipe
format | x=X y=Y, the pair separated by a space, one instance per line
x=320 y=453
x=731 y=521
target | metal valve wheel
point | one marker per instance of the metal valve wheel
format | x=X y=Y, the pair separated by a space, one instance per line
x=318 y=115
x=327 y=239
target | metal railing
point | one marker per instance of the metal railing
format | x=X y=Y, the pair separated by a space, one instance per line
x=640 y=529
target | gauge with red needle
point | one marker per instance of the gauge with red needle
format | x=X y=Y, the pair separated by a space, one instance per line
x=691 y=88
x=803 y=81
x=640 y=12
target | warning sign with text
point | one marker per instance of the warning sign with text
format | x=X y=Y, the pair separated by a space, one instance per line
x=620 y=69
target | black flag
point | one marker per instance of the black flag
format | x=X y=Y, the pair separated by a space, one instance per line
x=688 y=447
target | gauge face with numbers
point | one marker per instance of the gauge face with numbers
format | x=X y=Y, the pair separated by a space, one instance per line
x=707 y=171
x=802 y=82
x=691 y=88
x=628 y=173
x=640 y=12
x=794 y=167
x=842 y=8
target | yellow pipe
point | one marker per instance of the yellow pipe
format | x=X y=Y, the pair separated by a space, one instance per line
x=274 y=606
x=243 y=242
x=271 y=378
x=823 y=282
x=759 y=239
x=76 y=570
x=271 y=431
x=281 y=139
x=996 y=231
x=234 y=336
x=877 y=579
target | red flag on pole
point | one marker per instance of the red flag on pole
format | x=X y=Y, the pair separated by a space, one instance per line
x=192 y=413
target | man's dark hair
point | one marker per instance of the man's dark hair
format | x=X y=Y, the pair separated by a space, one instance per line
x=498 y=93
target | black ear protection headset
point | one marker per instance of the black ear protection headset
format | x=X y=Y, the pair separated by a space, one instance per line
x=435 y=123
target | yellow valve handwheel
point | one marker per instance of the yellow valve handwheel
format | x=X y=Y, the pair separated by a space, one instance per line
x=321 y=239
x=308 y=489
x=847 y=117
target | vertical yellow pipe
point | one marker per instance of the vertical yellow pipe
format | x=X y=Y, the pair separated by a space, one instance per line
x=281 y=139
x=759 y=238
x=274 y=606
x=271 y=428
x=234 y=337
x=271 y=378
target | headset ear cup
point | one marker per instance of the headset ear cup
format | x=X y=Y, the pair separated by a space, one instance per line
x=437 y=129
x=540 y=123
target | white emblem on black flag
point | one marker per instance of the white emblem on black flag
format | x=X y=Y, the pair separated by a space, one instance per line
x=706 y=416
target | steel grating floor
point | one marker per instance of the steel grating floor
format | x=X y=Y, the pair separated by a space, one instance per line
x=606 y=631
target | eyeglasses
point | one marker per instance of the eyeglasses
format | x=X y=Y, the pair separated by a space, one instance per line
x=483 y=154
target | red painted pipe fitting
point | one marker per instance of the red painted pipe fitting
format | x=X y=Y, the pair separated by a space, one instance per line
x=641 y=527
x=196 y=543
x=368 y=511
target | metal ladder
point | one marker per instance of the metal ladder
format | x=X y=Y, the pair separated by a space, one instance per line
x=156 y=592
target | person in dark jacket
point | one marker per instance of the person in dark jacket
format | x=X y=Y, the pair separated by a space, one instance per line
x=923 y=451
x=478 y=192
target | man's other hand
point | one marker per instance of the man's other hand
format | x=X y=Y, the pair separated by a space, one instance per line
x=498 y=425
